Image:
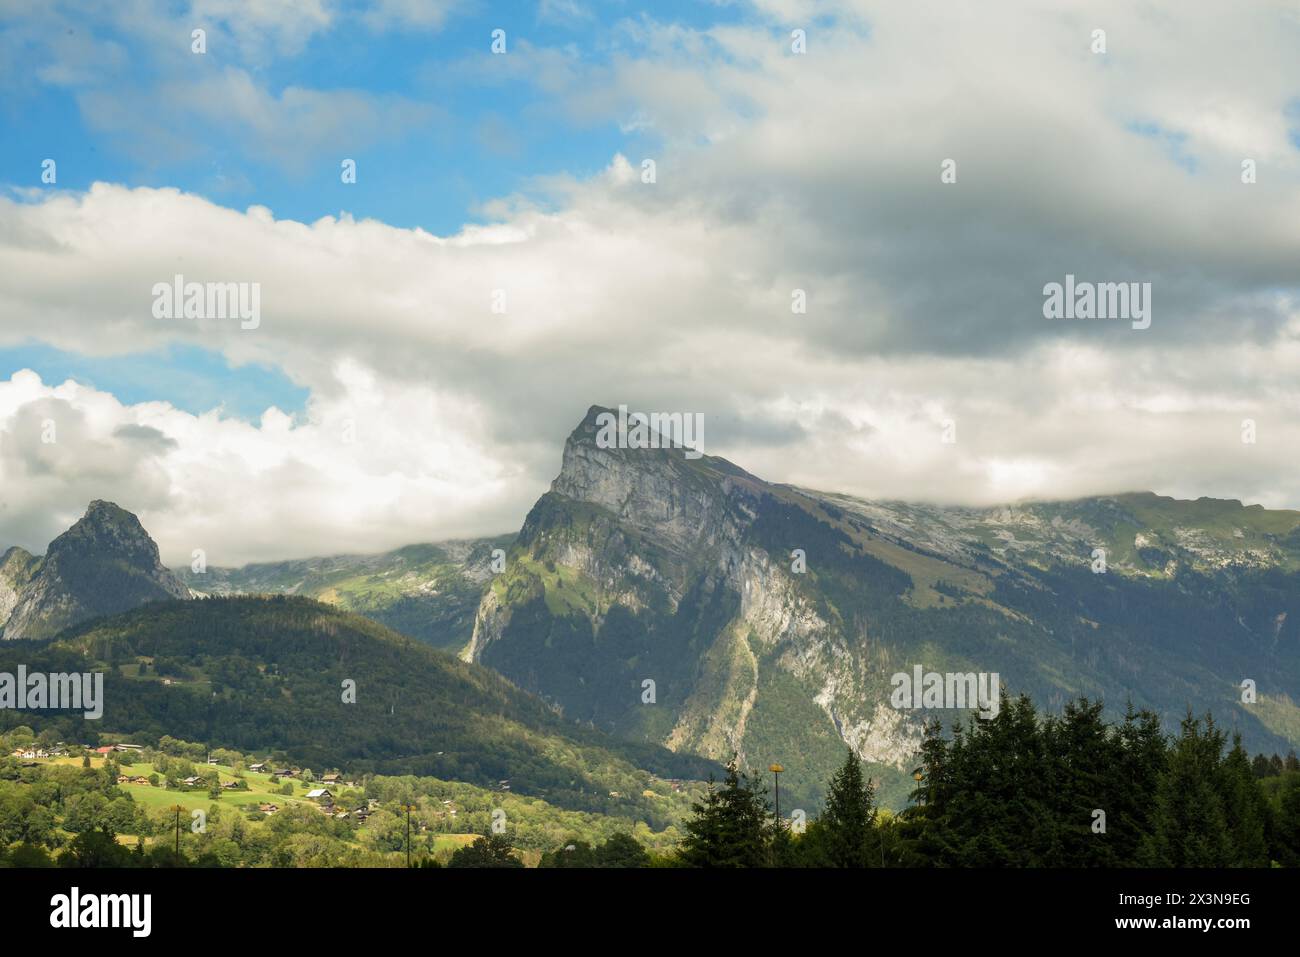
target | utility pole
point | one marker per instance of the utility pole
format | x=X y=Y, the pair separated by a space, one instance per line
x=776 y=770
x=409 y=809
x=178 y=808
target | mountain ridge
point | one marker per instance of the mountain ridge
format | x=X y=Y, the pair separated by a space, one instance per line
x=771 y=617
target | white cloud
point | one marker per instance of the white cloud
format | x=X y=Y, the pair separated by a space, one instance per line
x=418 y=14
x=775 y=172
x=357 y=475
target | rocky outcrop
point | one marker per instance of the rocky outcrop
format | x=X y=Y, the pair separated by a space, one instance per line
x=16 y=568
x=647 y=564
x=104 y=564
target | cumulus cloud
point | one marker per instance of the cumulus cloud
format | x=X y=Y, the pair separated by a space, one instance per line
x=367 y=469
x=775 y=172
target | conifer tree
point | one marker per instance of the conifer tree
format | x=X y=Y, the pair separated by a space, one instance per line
x=1246 y=809
x=846 y=824
x=731 y=827
x=1190 y=824
x=1143 y=754
x=1286 y=830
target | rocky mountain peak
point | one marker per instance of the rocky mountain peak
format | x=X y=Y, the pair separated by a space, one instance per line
x=104 y=564
x=652 y=480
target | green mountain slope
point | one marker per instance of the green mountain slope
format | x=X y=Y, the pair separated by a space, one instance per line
x=429 y=592
x=259 y=674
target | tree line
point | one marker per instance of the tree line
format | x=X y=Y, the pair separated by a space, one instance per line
x=1030 y=790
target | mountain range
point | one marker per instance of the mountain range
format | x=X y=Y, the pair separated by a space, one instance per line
x=680 y=602
x=772 y=619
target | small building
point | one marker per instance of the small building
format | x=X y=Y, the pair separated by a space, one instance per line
x=322 y=795
x=257 y=768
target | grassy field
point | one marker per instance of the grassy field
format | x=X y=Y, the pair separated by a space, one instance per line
x=260 y=789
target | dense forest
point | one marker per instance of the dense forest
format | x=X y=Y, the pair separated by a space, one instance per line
x=327 y=687
x=1035 y=791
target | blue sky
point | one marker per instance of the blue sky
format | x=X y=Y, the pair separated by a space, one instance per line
x=490 y=131
x=192 y=379
x=417 y=412
x=490 y=134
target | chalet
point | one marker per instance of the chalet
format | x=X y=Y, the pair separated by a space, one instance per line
x=257 y=768
x=331 y=778
x=128 y=747
x=267 y=808
x=107 y=750
x=230 y=786
x=285 y=773
x=192 y=781
x=360 y=815
x=322 y=795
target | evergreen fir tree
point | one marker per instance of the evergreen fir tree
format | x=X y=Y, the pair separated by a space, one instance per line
x=1143 y=754
x=731 y=827
x=1190 y=823
x=846 y=825
x=1286 y=829
x=1246 y=809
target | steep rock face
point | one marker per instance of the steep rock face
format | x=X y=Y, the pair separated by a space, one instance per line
x=643 y=565
x=105 y=563
x=689 y=603
x=16 y=567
